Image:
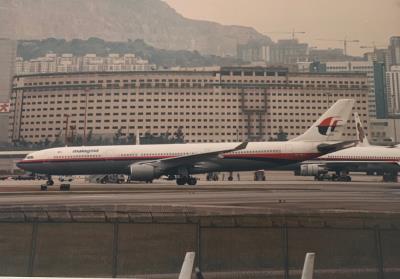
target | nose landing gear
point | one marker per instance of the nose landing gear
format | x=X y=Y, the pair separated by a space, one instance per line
x=49 y=182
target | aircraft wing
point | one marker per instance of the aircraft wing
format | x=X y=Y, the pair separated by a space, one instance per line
x=175 y=162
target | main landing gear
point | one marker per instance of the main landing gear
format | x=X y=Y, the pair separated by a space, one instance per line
x=190 y=180
x=390 y=177
x=50 y=182
x=184 y=177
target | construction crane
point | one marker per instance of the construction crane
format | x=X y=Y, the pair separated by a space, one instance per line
x=293 y=33
x=345 y=42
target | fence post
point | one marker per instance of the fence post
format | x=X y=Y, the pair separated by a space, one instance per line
x=33 y=249
x=285 y=241
x=115 y=251
x=379 y=254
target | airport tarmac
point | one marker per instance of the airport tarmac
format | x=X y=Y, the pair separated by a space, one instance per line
x=282 y=192
x=239 y=229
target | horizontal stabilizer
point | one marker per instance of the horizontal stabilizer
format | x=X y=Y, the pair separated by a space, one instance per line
x=328 y=148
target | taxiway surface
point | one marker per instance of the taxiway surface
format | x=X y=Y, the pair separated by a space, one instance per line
x=282 y=193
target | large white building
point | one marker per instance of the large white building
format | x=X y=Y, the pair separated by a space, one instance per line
x=68 y=63
x=227 y=104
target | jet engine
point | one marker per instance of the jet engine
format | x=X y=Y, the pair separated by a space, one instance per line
x=144 y=172
x=312 y=170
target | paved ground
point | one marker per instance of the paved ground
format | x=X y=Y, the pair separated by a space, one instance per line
x=283 y=192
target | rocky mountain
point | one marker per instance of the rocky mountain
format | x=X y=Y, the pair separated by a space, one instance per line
x=119 y=20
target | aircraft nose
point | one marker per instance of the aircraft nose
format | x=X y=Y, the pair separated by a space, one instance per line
x=20 y=164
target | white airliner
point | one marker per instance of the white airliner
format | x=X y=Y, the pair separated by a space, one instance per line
x=361 y=158
x=148 y=162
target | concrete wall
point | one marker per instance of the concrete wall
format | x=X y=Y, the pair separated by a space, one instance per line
x=153 y=248
x=390 y=241
x=73 y=250
x=15 y=247
x=95 y=244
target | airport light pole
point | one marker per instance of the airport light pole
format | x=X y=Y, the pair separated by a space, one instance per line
x=85 y=119
x=66 y=128
x=329 y=98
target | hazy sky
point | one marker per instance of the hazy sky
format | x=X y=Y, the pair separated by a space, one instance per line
x=366 y=20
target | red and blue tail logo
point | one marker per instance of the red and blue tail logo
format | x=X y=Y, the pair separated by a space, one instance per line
x=328 y=125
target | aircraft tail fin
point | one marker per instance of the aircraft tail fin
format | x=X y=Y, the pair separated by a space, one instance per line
x=308 y=268
x=187 y=266
x=361 y=136
x=329 y=126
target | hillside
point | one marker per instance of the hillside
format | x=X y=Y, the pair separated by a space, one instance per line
x=163 y=58
x=119 y=20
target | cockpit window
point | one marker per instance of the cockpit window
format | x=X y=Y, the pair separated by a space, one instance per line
x=29 y=157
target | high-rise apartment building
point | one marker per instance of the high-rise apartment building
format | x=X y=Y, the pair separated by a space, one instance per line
x=7 y=57
x=253 y=51
x=288 y=52
x=393 y=91
x=68 y=63
x=380 y=90
x=284 y=52
x=394 y=51
x=381 y=55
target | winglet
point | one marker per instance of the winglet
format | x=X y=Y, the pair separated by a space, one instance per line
x=308 y=268
x=361 y=136
x=241 y=146
x=187 y=266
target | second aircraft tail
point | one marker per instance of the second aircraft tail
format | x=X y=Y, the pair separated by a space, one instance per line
x=361 y=136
